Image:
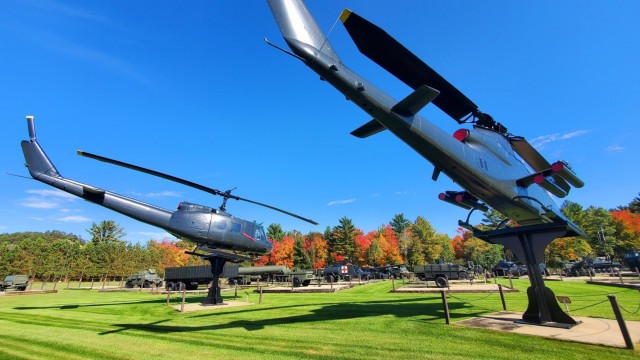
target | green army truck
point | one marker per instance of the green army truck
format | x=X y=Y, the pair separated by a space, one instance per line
x=272 y=273
x=194 y=276
x=441 y=273
x=16 y=282
x=144 y=279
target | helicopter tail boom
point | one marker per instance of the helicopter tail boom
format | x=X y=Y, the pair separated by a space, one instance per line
x=42 y=169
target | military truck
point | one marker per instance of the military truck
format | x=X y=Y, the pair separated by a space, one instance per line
x=342 y=271
x=17 y=282
x=272 y=273
x=441 y=273
x=144 y=279
x=396 y=271
x=193 y=276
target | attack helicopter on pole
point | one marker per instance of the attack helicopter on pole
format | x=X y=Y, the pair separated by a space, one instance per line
x=218 y=235
x=494 y=168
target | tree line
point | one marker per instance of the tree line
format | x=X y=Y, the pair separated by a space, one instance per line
x=59 y=255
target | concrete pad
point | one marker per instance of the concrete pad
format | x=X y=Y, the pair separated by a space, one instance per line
x=200 y=307
x=308 y=289
x=591 y=330
x=454 y=288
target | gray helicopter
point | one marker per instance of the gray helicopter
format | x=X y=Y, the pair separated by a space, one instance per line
x=482 y=160
x=209 y=228
x=494 y=168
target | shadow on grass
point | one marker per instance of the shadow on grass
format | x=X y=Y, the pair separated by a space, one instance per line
x=327 y=312
x=76 y=306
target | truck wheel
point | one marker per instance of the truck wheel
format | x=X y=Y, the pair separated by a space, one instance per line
x=146 y=285
x=463 y=276
x=441 y=282
x=128 y=285
x=170 y=286
x=296 y=282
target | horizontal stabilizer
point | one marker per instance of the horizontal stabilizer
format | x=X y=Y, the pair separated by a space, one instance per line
x=418 y=99
x=371 y=128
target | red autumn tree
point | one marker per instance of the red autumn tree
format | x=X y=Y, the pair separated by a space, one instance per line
x=316 y=248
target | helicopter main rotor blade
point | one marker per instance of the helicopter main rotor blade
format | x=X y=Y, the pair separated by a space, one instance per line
x=387 y=52
x=225 y=194
x=280 y=210
x=152 y=172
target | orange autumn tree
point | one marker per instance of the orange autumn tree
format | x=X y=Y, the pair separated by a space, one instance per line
x=390 y=246
x=316 y=249
x=627 y=225
x=168 y=253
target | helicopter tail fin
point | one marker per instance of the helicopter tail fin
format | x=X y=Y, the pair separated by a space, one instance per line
x=36 y=160
x=300 y=30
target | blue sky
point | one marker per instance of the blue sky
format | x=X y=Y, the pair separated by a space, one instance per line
x=191 y=89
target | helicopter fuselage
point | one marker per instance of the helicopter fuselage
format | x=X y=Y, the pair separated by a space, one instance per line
x=483 y=163
x=204 y=226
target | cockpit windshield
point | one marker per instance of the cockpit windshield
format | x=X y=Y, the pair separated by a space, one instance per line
x=260 y=235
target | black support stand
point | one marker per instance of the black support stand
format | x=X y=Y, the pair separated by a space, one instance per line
x=217 y=261
x=528 y=244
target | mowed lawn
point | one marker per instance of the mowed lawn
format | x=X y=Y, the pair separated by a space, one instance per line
x=366 y=322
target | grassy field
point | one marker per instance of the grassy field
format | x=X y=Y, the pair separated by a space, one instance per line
x=366 y=322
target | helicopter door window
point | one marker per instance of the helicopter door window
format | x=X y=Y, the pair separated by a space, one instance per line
x=221 y=224
x=235 y=227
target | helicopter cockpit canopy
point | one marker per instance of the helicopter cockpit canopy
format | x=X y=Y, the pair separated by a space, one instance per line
x=260 y=234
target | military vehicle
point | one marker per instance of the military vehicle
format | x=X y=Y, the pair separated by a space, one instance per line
x=17 y=282
x=396 y=271
x=144 y=279
x=504 y=268
x=631 y=259
x=193 y=276
x=602 y=265
x=441 y=273
x=273 y=273
x=343 y=271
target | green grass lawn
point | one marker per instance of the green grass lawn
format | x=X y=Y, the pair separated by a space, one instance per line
x=366 y=322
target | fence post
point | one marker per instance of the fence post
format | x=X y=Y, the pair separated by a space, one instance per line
x=260 y=299
x=393 y=283
x=183 y=288
x=504 y=303
x=445 y=305
x=621 y=323
x=168 y=295
x=510 y=280
x=235 y=292
x=620 y=276
x=560 y=273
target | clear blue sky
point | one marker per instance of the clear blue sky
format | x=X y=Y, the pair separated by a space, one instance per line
x=191 y=89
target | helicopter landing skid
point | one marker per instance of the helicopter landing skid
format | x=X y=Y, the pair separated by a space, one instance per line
x=217 y=261
x=528 y=244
